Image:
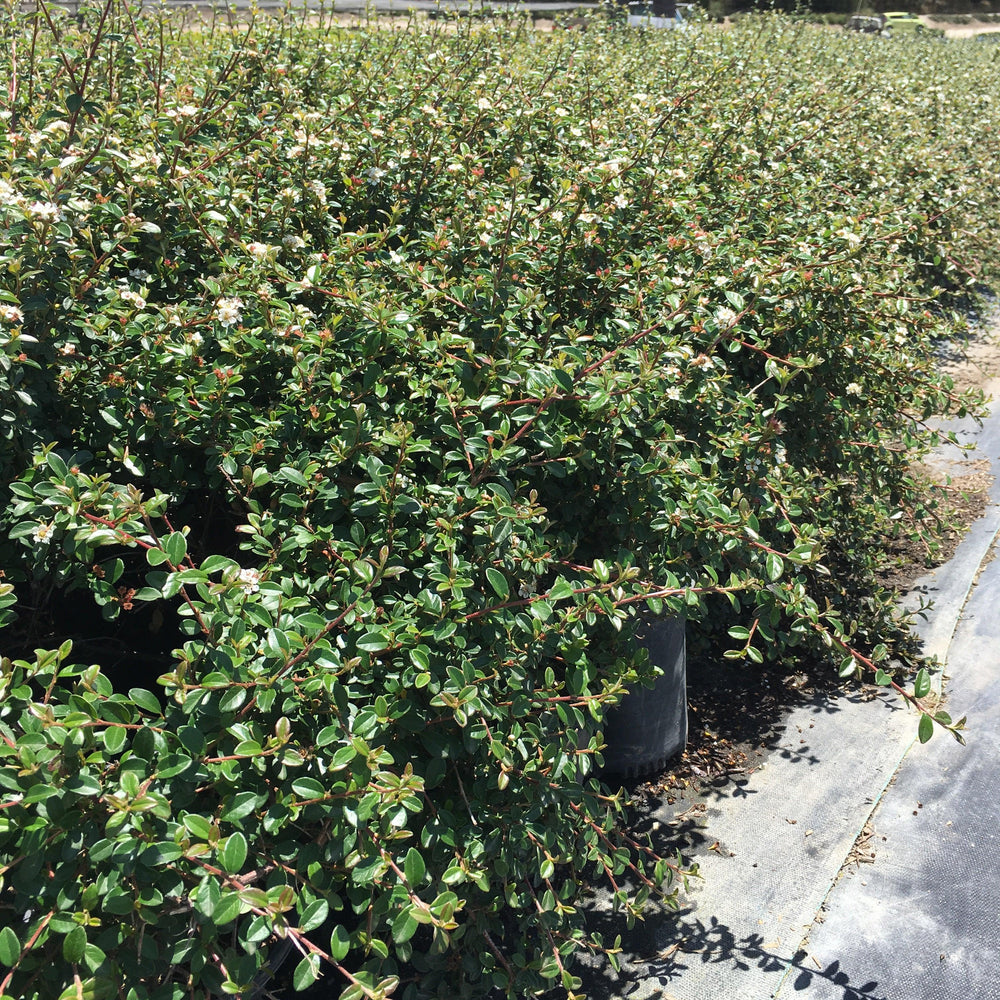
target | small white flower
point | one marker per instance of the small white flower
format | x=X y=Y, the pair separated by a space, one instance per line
x=853 y=389
x=44 y=210
x=249 y=580
x=726 y=318
x=258 y=251
x=139 y=274
x=187 y=111
x=292 y=242
x=43 y=533
x=374 y=175
x=228 y=311
x=11 y=314
x=318 y=189
x=195 y=338
x=484 y=104
x=134 y=298
x=620 y=201
x=67 y=349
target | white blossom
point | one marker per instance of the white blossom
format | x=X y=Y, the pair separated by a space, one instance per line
x=249 y=580
x=259 y=251
x=228 y=311
x=47 y=211
x=726 y=318
x=318 y=189
x=43 y=533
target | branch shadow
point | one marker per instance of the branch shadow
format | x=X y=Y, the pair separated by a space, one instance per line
x=657 y=957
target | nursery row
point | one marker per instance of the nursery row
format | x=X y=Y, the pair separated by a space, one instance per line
x=361 y=394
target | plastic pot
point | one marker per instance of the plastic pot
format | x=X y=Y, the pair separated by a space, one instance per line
x=650 y=725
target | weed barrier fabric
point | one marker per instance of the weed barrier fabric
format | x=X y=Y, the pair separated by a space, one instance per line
x=768 y=855
x=923 y=921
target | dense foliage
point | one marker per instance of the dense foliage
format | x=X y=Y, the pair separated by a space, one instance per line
x=373 y=385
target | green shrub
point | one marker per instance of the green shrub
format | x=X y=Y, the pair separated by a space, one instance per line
x=374 y=385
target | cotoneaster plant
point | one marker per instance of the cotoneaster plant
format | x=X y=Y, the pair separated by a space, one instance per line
x=374 y=387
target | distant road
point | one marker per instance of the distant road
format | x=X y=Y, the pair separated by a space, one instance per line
x=359 y=6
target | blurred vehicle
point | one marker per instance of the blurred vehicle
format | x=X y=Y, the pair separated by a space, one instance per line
x=899 y=22
x=657 y=14
x=863 y=23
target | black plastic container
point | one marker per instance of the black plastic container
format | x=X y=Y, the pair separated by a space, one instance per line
x=649 y=726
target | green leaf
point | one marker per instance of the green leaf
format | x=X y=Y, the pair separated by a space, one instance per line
x=156 y=556
x=404 y=926
x=114 y=738
x=10 y=947
x=848 y=666
x=74 y=945
x=498 y=582
x=227 y=909
x=208 y=896
x=83 y=784
x=93 y=957
x=314 y=915
x=882 y=678
x=775 y=566
x=561 y=590
x=925 y=729
x=340 y=943
x=414 y=867
x=922 y=684
x=233 y=853
x=145 y=700
x=373 y=642
x=306 y=972
x=57 y=465
x=277 y=643
x=420 y=657
x=308 y=788
x=175 y=548
x=342 y=758
x=239 y=806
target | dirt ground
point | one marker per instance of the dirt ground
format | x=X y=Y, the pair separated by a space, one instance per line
x=962 y=30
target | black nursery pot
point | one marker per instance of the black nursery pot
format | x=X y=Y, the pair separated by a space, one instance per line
x=649 y=726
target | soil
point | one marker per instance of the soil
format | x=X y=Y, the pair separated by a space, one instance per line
x=735 y=710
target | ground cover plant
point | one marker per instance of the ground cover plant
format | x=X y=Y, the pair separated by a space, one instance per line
x=361 y=393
